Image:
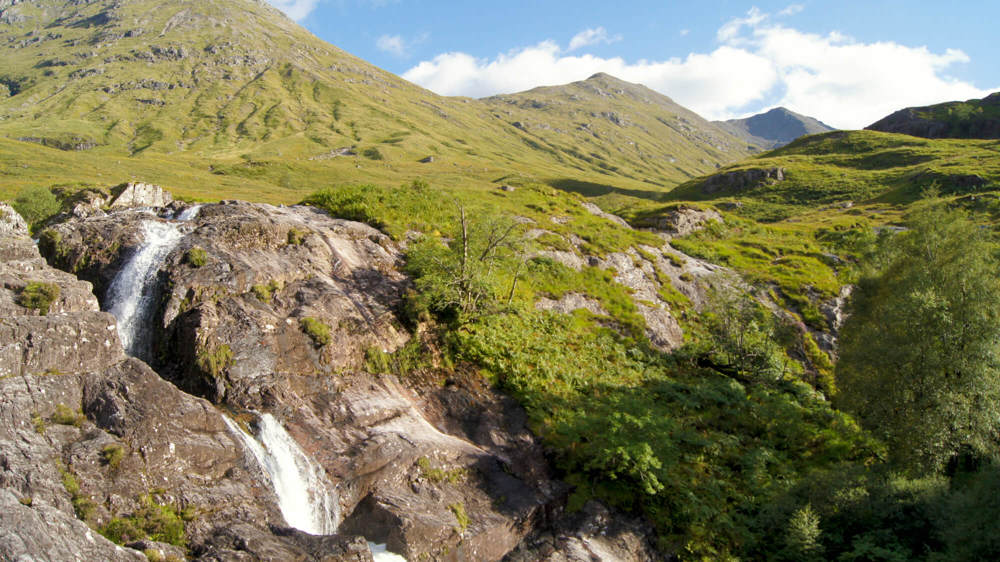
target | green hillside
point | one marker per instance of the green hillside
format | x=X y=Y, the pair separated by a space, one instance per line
x=235 y=90
x=971 y=119
x=849 y=167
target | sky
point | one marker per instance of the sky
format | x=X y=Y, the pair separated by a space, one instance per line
x=847 y=63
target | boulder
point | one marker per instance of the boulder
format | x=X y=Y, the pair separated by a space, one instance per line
x=11 y=223
x=138 y=194
x=742 y=180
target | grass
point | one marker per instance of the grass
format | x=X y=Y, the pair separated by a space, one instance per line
x=196 y=257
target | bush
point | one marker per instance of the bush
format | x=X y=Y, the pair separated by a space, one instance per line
x=196 y=257
x=38 y=296
x=36 y=204
x=153 y=521
x=317 y=330
x=372 y=153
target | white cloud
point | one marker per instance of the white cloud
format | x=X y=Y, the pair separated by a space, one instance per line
x=791 y=10
x=295 y=9
x=844 y=82
x=398 y=45
x=684 y=32
x=589 y=37
x=701 y=81
x=392 y=44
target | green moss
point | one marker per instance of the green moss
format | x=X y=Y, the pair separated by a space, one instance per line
x=458 y=509
x=64 y=415
x=38 y=423
x=213 y=360
x=26 y=501
x=112 y=455
x=439 y=475
x=296 y=237
x=83 y=506
x=317 y=330
x=265 y=292
x=153 y=521
x=38 y=296
x=196 y=257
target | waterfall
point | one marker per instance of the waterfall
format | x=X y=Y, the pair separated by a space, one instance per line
x=131 y=297
x=132 y=294
x=306 y=499
x=189 y=213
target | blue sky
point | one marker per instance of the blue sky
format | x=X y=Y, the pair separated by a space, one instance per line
x=847 y=63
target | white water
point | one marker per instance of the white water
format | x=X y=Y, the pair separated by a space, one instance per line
x=189 y=213
x=380 y=554
x=307 y=500
x=132 y=293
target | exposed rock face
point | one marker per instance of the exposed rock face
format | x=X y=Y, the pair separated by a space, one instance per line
x=142 y=195
x=774 y=128
x=742 y=180
x=681 y=221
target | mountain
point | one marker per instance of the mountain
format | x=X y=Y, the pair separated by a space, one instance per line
x=774 y=128
x=239 y=93
x=972 y=119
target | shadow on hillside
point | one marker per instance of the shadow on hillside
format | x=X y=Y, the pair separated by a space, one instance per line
x=591 y=189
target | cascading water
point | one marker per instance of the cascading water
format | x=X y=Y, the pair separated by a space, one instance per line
x=307 y=501
x=132 y=293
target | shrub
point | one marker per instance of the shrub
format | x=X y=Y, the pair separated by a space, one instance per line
x=38 y=422
x=36 y=204
x=372 y=153
x=153 y=521
x=196 y=257
x=317 y=330
x=38 y=296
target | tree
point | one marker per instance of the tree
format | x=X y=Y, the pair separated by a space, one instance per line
x=461 y=279
x=918 y=358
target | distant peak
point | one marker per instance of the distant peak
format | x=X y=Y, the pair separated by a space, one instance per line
x=603 y=76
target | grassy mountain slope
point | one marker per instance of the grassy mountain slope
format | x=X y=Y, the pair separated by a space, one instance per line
x=774 y=128
x=234 y=88
x=972 y=119
x=849 y=166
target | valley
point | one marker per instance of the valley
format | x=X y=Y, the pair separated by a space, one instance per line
x=262 y=300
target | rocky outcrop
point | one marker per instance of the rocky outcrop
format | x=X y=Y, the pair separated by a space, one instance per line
x=742 y=180
x=680 y=221
x=88 y=435
x=11 y=223
x=435 y=471
x=570 y=302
